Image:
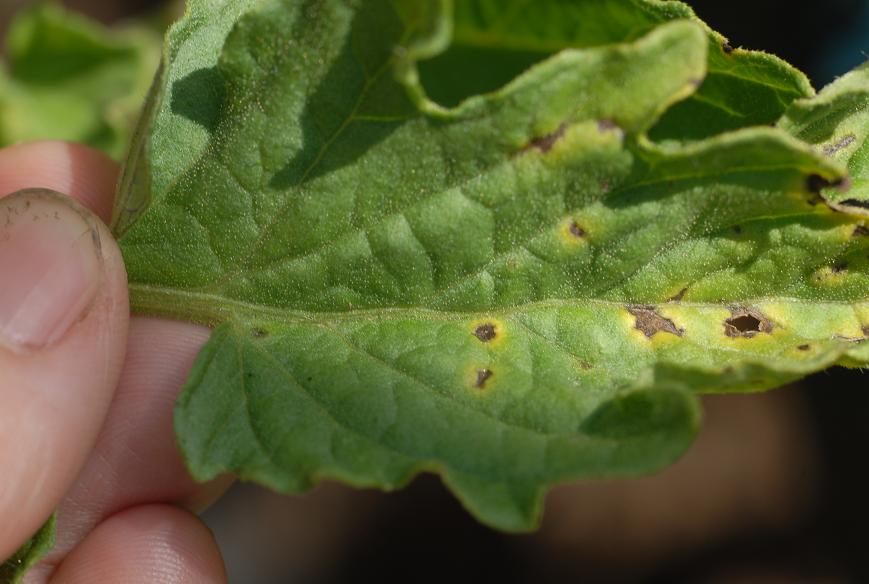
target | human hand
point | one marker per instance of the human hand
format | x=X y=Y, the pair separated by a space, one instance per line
x=86 y=393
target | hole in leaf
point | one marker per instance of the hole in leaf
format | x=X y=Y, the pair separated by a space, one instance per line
x=746 y=323
x=485 y=332
x=840 y=267
x=726 y=47
x=483 y=376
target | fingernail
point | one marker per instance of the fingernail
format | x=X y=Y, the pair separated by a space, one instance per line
x=50 y=266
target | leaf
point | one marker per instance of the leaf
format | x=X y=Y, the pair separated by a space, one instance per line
x=519 y=290
x=12 y=571
x=69 y=78
x=495 y=40
x=837 y=122
x=181 y=109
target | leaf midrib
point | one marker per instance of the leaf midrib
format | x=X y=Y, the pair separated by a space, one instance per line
x=212 y=309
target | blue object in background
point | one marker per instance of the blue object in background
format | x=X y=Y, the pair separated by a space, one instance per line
x=844 y=51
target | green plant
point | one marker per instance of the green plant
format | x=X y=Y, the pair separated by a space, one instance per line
x=507 y=242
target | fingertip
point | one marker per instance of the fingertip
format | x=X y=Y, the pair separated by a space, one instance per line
x=81 y=172
x=150 y=543
x=62 y=345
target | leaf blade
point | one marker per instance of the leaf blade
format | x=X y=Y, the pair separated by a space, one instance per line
x=513 y=292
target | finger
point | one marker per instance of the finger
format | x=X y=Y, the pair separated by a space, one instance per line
x=63 y=329
x=83 y=173
x=136 y=460
x=152 y=543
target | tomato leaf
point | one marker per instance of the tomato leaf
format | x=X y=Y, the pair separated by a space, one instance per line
x=513 y=291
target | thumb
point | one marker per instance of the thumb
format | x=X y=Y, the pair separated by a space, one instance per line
x=63 y=328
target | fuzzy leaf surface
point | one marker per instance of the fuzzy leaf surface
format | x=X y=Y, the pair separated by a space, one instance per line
x=836 y=121
x=519 y=290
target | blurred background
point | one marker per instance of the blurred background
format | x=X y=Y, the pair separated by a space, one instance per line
x=776 y=488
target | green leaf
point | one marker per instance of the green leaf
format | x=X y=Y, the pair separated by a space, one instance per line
x=519 y=290
x=837 y=123
x=13 y=570
x=181 y=109
x=495 y=40
x=68 y=78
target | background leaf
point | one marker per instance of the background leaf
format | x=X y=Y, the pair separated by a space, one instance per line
x=68 y=78
x=513 y=292
x=495 y=40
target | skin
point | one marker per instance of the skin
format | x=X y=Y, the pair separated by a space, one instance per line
x=100 y=449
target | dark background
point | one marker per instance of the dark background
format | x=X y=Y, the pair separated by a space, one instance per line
x=775 y=489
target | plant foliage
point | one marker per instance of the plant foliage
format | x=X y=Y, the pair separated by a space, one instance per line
x=503 y=243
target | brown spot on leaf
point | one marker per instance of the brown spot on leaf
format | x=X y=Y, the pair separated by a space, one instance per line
x=650 y=322
x=576 y=230
x=545 y=143
x=678 y=297
x=747 y=323
x=737 y=229
x=258 y=333
x=861 y=231
x=846 y=141
x=485 y=332
x=855 y=203
x=607 y=125
x=726 y=47
x=483 y=376
x=865 y=330
x=843 y=185
x=815 y=182
x=804 y=347
x=840 y=268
